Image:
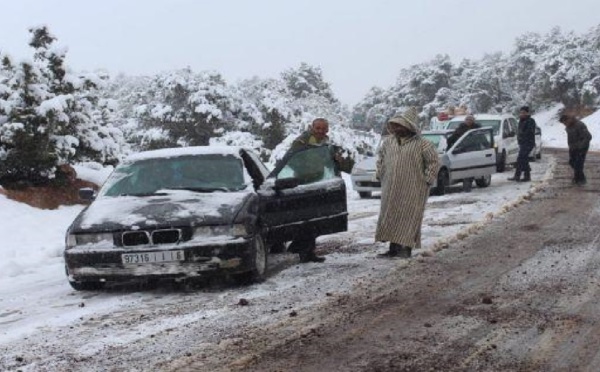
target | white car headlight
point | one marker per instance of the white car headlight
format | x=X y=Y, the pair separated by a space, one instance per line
x=83 y=239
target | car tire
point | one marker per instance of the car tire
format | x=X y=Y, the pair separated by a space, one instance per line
x=258 y=264
x=484 y=181
x=501 y=162
x=364 y=194
x=538 y=155
x=443 y=181
x=86 y=285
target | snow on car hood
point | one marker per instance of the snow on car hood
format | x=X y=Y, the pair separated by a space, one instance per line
x=171 y=208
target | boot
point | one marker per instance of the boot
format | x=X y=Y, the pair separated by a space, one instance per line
x=526 y=177
x=310 y=256
x=405 y=252
x=516 y=177
x=392 y=251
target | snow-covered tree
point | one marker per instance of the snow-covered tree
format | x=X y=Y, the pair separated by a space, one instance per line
x=50 y=116
x=307 y=80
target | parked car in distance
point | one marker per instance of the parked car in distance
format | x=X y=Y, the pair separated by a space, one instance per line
x=505 y=135
x=536 y=153
x=472 y=156
x=190 y=212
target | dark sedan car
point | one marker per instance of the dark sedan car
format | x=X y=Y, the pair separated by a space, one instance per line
x=195 y=211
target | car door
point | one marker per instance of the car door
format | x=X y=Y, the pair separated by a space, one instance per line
x=303 y=196
x=473 y=155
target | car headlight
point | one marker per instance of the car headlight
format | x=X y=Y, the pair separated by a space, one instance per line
x=83 y=239
x=236 y=230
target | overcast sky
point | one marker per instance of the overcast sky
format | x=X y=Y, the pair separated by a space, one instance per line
x=357 y=43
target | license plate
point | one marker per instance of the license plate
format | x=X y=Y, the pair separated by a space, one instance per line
x=152 y=257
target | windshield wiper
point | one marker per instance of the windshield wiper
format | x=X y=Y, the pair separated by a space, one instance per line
x=145 y=194
x=199 y=189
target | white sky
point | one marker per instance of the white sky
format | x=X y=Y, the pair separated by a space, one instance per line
x=357 y=43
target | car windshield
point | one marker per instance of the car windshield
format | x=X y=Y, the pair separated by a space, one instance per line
x=199 y=173
x=494 y=124
x=438 y=140
x=308 y=166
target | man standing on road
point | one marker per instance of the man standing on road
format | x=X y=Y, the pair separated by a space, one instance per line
x=407 y=167
x=316 y=136
x=526 y=140
x=578 y=138
x=463 y=128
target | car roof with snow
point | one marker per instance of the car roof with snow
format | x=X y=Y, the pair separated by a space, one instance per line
x=437 y=131
x=482 y=117
x=186 y=151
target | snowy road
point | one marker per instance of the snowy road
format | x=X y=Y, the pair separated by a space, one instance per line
x=45 y=325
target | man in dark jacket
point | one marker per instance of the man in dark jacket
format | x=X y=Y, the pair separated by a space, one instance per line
x=316 y=136
x=463 y=128
x=526 y=140
x=578 y=138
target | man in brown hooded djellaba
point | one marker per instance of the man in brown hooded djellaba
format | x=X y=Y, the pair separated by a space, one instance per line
x=407 y=167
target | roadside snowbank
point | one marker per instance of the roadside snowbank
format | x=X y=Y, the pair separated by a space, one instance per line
x=553 y=132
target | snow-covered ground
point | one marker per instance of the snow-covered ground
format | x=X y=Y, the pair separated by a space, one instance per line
x=44 y=324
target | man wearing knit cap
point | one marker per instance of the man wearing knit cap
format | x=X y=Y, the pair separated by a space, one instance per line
x=526 y=140
x=407 y=165
x=578 y=139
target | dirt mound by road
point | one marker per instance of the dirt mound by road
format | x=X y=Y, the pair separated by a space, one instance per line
x=51 y=196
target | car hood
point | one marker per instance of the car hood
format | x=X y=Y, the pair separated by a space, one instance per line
x=176 y=208
x=367 y=164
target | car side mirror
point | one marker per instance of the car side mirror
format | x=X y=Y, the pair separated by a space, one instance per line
x=86 y=193
x=286 y=183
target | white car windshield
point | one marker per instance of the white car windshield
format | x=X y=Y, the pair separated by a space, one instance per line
x=494 y=124
x=200 y=173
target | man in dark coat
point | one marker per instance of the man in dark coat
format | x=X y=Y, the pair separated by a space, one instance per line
x=578 y=138
x=463 y=128
x=526 y=140
x=316 y=136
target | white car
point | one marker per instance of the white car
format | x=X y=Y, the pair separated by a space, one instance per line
x=505 y=135
x=536 y=153
x=472 y=156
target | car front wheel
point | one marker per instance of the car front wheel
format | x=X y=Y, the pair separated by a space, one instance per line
x=258 y=265
x=501 y=163
x=484 y=181
x=364 y=194
x=443 y=181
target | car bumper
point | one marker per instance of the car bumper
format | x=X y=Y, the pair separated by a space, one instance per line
x=232 y=256
x=365 y=182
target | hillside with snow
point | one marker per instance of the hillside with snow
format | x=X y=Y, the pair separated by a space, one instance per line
x=553 y=132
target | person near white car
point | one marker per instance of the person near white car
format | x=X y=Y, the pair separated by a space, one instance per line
x=463 y=128
x=407 y=167
x=526 y=140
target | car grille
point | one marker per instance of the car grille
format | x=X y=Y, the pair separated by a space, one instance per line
x=166 y=236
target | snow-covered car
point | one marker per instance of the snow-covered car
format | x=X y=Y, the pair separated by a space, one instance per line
x=505 y=135
x=190 y=212
x=472 y=156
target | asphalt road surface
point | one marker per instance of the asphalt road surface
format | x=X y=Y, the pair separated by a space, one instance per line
x=523 y=294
